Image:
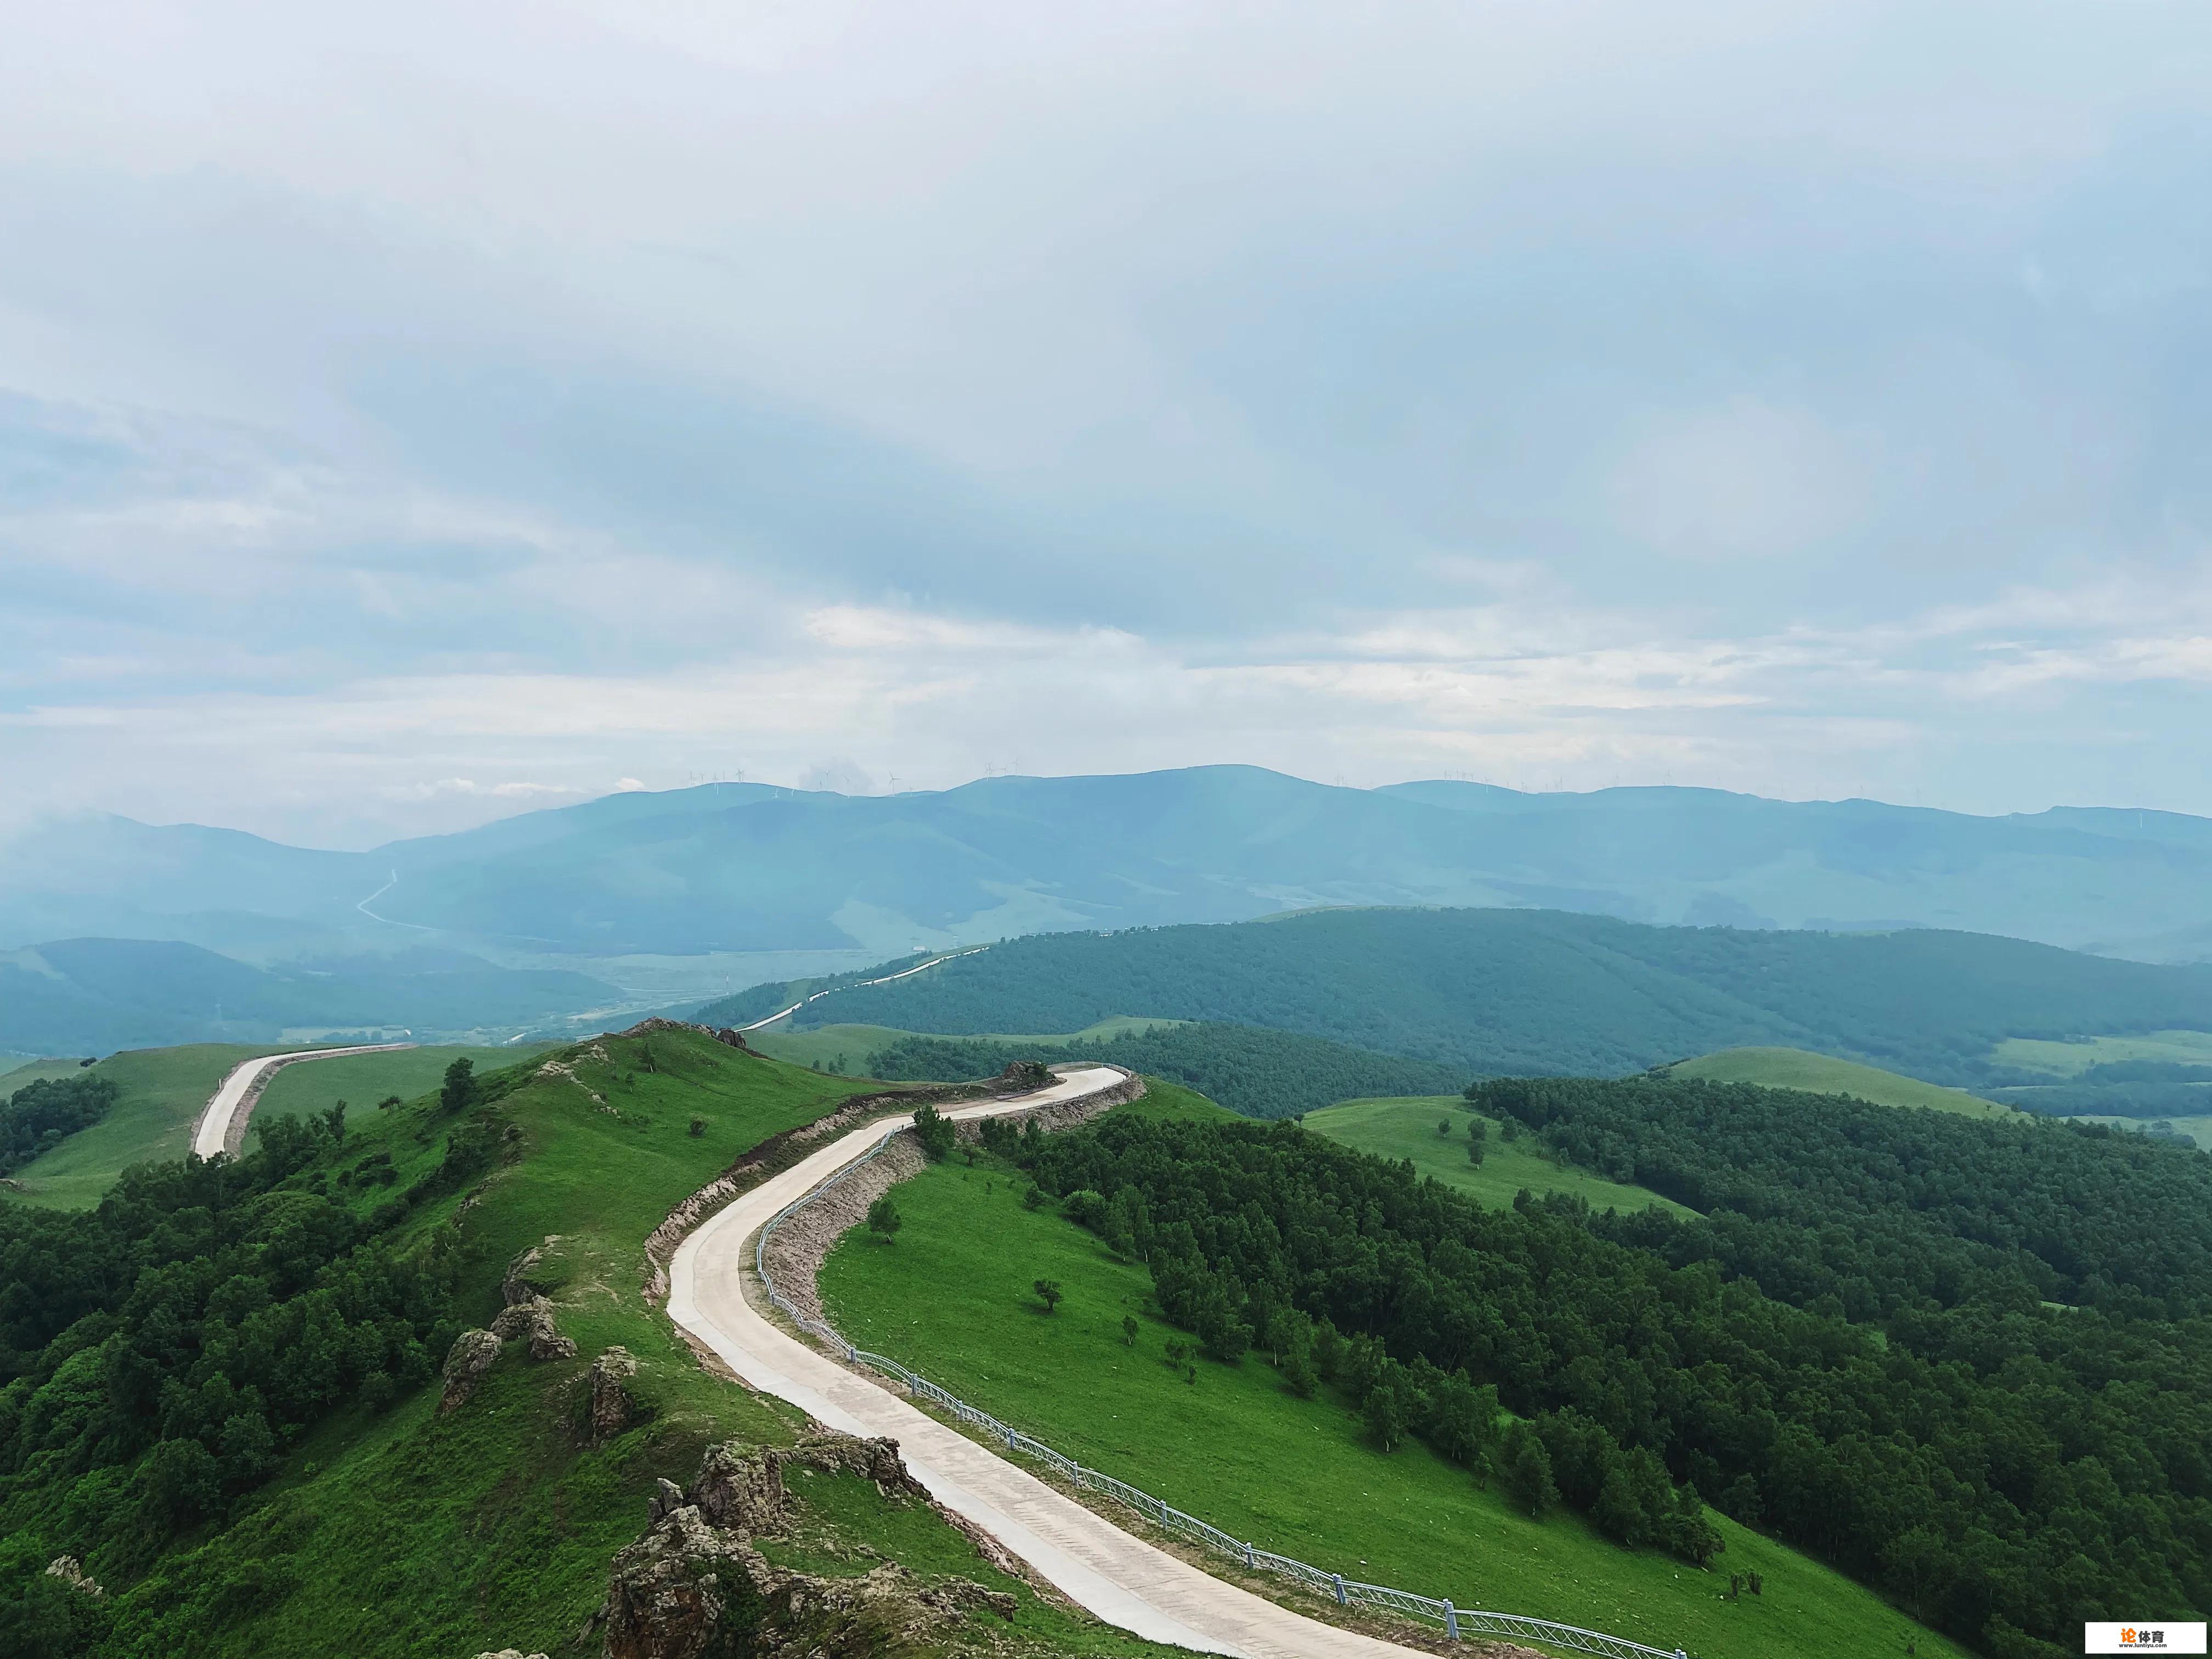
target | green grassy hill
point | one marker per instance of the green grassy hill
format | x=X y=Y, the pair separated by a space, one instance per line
x=951 y=1297
x=1824 y=1074
x=1407 y=1129
x=33 y=1071
x=164 y=1089
x=406 y=1534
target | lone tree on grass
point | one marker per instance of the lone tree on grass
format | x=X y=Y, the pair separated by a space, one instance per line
x=1444 y=1126
x=458 y=1092
x=883 y=1218
x=1048 y=1292
x=1128 y=1330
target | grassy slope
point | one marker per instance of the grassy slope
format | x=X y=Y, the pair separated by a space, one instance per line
x=853 y=1044
x=162 y=1091
x=2071 y=1059
x=951 y=1297
x=32 y=1071
x=361 y=1081
x=413 y=1534
x=1824 y=1074
x=1407 y=1129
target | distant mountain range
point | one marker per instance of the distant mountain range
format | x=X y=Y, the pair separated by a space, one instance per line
x=748 y=867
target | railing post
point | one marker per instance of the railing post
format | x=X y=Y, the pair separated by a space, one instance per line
x=1451 y=1619
x=1342 y=1600
x=1248 y=1557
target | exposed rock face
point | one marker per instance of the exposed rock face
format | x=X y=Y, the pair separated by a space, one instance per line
x=612 y=1407
x=520 y=1283
x=533 y=1320
x=471 y=1355
x=70 y=1571
x=695 y=1586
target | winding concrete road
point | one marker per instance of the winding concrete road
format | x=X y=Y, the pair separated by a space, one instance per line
x=714 y=1296
x=220 y=1125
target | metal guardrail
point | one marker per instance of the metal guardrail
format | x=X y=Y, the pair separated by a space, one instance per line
x=1457 y=1621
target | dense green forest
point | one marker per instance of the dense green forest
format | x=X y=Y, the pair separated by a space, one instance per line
x=158 y=1353
x=41 y=1114
x=1512 y=992
x=1934 y=1208
x=1996 y=1483
x=1250 y=1070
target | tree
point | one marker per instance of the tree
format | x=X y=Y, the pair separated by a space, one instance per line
x=1475 y=1153
x=1386 y=1410
x=935 y=1133
x=1128 y=1330
x=1048 y=1292
x=388 y=1102
x=1525 y=1468
x=1444 y=1128
x=698 y=1128
x=458 y=1092
x=1297 y=1361
x=1463 y=1421
x=335 y=1119
x=884 y=1218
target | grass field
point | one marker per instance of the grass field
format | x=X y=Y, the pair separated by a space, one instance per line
x=1824 y=1074
x=951 y=1297
x=163 y=1090
x=31 y=1071
x=1406 y=1127
x=2064 y=1060
x=411 y=1533
x=361 y=1081
x=849 y=1046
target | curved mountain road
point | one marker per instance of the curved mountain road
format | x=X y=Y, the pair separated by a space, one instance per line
x=220 y=1125
x=714 y=1295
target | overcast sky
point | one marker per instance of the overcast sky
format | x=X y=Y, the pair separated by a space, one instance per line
x=411 y=414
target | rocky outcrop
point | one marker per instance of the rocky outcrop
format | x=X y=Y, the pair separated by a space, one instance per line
x=722 y=1035
x=695 y=1585
x=472 y=1354
x=532 y=1321
x=611 y=1408
x=70 y=1571
x=523 y=1278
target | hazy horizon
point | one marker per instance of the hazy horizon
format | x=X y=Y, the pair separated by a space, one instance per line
x=411 y=414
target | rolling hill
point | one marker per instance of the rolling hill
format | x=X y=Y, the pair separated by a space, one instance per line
x=1824 y=1074
x=1497 y=991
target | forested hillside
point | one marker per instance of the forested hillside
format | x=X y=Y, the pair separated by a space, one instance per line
x=1250 y=1070
x=1505 y=992
x=2004 y=1470
x=1936 y=1210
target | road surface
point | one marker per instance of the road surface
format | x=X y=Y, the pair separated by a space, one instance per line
x=1120 y=1578
x=220 y=1125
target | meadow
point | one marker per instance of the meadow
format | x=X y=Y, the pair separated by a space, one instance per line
x=951 y=1296
x=1824 y=1074
x=1406 y=1127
